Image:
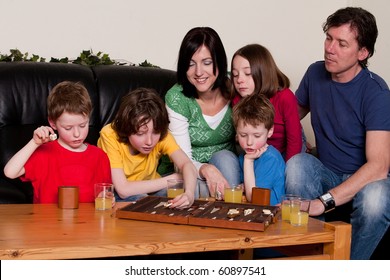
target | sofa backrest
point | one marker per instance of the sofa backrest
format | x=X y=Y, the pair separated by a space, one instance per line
x=114 y=81
x=24 y=87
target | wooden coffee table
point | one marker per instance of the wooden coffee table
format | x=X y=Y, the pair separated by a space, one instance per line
x=43 y=231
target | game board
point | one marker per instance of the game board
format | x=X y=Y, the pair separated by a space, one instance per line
x=202 y=213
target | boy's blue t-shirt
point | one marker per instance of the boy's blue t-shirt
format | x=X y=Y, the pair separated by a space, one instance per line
x=269 y=173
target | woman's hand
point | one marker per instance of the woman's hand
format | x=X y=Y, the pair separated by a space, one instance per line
x=212 y=174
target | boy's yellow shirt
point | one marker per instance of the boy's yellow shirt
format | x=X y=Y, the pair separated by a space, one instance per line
x=136 y=167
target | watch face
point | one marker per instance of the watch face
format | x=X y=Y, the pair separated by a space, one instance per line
x=326 y=196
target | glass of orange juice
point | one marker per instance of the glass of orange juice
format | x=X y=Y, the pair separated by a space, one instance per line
x=175 y=187
x=286 y=205
x=104 y=196
x=233 y=193
x=299 y=211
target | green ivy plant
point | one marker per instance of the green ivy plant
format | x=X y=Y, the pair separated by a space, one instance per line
x=86 y=57
x=147 y=64
x=16 y=55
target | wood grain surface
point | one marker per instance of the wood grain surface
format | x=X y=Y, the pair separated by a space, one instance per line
x=43 y=231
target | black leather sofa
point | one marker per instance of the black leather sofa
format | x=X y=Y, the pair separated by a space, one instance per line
x=24 y=87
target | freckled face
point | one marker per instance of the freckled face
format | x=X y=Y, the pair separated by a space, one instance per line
x=72 y=130
x=200 y=71
x=242 y=76
x=252 y=138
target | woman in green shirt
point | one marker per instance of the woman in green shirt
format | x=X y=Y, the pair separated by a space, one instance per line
x=199 y=109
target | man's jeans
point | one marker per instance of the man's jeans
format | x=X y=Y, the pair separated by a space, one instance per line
x=307 y=177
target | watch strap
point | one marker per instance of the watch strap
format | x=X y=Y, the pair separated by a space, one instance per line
x=328 y=201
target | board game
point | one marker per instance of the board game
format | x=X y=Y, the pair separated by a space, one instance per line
x=202 y=213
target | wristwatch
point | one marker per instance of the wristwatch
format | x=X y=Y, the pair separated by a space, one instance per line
x=328 y=201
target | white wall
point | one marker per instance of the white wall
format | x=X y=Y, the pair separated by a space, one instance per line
x=136 y=30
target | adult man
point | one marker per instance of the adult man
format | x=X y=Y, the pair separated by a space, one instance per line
x=350 y=116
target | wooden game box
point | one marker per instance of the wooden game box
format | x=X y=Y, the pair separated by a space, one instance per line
x=202 y=213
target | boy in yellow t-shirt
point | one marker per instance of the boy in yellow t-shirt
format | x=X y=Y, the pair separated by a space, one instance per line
x=135 y=141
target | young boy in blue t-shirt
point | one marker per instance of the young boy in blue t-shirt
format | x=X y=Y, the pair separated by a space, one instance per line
x=261 y=165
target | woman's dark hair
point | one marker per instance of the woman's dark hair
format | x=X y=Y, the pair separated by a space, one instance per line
x=137 y=108
x=193 y=40
x=360 y=20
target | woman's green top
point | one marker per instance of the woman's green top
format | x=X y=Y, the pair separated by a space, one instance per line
x=205 y=141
